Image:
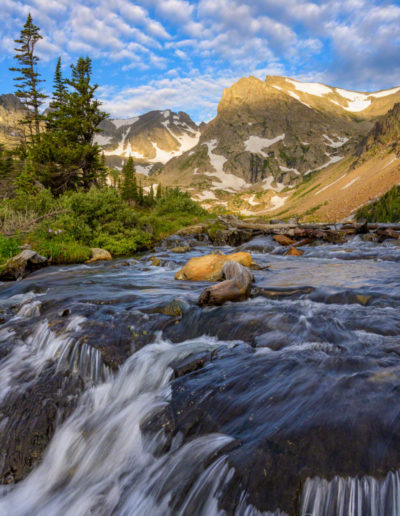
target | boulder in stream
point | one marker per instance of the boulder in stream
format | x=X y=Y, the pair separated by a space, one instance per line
x=99 y=255
x=22 y=264
x=209 y=267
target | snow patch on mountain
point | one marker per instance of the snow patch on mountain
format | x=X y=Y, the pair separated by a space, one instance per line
x=384 y=93
x=126 y=121
x=339 y=143
x=312 y=88
x=358 y=101
x=228 y=182
x=256 y=143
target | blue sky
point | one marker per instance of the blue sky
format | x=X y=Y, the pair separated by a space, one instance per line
x=181 y=54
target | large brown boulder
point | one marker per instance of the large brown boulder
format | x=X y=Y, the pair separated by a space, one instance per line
x=99 y=255
x=209 y=267
x=22 y=264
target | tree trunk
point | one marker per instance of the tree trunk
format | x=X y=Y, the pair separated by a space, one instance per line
x=236 y=287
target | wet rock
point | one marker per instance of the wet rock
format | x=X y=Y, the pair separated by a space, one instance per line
x=176 y=240
x=304 y=241
x=209 y=267
x=29 y=421
x=196 y=229
x=277 y=221
x=370 y=237
x=175 y=308
x=362 y=229
x=155 y=261
x=232 y=237
x=281 y=292
x=99 y=255
x=283 y=240
x=22 y=264
x=387 y=233
x=191 y=363
x=292 y=251
x=163 y=420
x=236 y=287
x=363 y=300
x=180 y=249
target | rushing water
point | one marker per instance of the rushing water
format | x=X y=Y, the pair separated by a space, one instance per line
x=288 y=403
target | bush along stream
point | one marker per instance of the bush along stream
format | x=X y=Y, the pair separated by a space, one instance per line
x=123 y=394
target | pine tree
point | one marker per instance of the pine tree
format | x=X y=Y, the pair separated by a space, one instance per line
x=140 y=195
x=159 y=192
x=129 y=185
x=82 y=115
x=67 y=156
x=27 y=82
x=58 y=99
x=150 y=197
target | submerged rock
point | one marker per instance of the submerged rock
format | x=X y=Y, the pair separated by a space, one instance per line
x=22 y=264
x=29 y=421
x=209 y=267
x=99 y=255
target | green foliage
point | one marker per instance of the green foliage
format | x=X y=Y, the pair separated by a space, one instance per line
x=385 y=209
x=59 y=250
x=129 y=190
x=6 y=162
x=66 y=156
x=8 y=248
x=175 y=201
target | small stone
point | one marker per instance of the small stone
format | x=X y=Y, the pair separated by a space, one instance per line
x=293 y=251
x=180 y=249
x=155 y=261
x=283 y=240
x=362 y=299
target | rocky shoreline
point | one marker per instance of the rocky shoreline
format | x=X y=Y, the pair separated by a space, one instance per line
x=229 y=230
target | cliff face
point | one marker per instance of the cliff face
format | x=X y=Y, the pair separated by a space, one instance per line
x=385 y=135
x=11 y=112
x=270 y=134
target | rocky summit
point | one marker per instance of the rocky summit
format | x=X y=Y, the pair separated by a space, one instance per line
x=151 y=139
x=270 y=135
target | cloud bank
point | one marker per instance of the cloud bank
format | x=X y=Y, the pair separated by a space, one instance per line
x=180 y=54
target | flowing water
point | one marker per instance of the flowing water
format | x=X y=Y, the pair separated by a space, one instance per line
x=288 y=403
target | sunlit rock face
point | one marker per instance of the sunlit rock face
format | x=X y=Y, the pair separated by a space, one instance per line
x=269 y=135
x=11 y=112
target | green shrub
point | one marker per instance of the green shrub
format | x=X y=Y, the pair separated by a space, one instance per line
x=175 y=201
x=385 y=209
x=8 y=247
x=59 y=250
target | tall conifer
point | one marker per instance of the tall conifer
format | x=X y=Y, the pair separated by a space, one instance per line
x=27 y=82
x=129 y=185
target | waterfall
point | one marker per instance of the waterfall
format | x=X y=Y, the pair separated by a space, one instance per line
x=30 y=356
x=364 y=496
x=100 y=462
